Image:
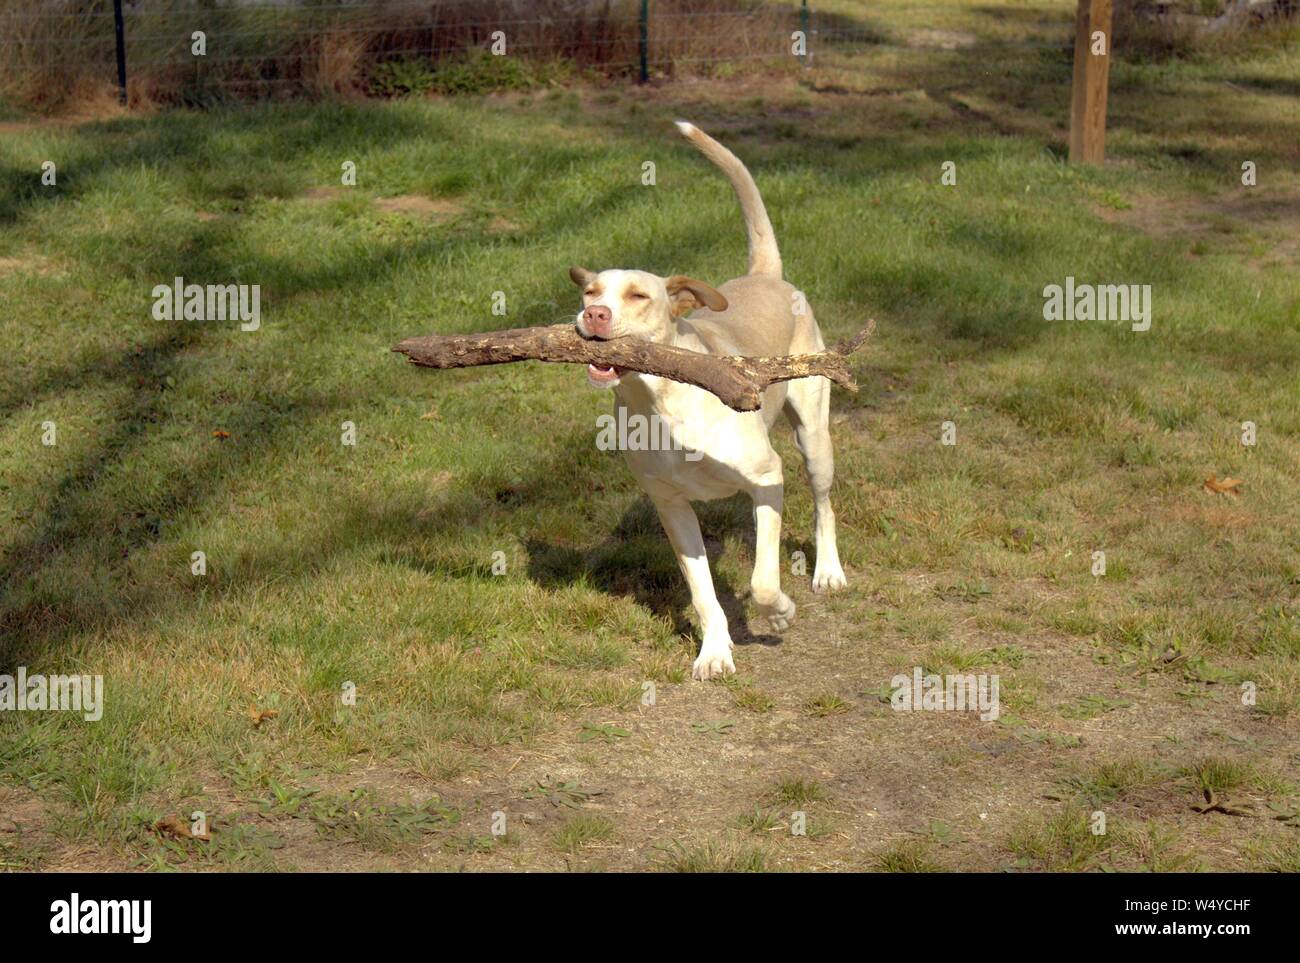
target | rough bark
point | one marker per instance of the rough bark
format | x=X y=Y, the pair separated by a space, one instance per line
x=738 y=382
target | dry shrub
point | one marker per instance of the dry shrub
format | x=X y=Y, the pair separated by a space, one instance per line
x=40 y=39
x=335 y=63
x=1165 y=29
x=59 y=50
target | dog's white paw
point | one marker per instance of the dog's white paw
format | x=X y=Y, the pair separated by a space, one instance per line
x=713 y=662
x=828 y=578
x=783 y=616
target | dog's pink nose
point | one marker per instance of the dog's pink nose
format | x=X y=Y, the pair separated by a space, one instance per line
x=597 y=318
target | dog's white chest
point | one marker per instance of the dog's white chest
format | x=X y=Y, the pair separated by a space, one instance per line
x=682 y=438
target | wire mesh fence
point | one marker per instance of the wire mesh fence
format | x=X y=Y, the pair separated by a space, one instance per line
x=195 y=51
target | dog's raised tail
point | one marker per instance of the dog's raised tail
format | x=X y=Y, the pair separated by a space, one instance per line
x=764 y=257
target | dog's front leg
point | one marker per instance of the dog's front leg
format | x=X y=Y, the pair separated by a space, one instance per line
x=765 y=584
x=683 y=530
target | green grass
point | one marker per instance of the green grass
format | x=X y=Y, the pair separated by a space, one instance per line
x=908 y=856
x=1111 y=780
x=373 y=564
x=714 y=856
x=752 y=700
x=1063 y=841
x=1281 y=857
x=1219 y=774
x=759 y=820
x=826 y=704
x=796 y=791
x=582 y=830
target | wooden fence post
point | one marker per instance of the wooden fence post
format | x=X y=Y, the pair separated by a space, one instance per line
x=1092 y=45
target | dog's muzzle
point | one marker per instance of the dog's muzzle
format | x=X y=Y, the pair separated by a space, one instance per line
x=597 y=322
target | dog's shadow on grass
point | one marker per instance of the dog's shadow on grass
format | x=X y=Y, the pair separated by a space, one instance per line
x=636 y=561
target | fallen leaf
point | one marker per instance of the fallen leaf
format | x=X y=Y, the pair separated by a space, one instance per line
x=1215 y=805
x=220 y=434
x=178 y=828
x=1225 y=487
x=261 y=715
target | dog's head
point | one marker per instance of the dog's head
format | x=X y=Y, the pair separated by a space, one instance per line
x=636 y=304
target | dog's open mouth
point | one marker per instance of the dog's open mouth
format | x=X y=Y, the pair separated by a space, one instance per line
x=603 y=377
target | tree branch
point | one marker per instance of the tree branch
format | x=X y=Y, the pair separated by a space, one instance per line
x=738 y=382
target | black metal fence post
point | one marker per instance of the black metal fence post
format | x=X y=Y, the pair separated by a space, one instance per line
x=119 y=29
x=645 y=40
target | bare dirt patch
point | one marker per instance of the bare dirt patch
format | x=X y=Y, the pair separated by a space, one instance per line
x=942 y=39
x=322 y=194
x=27 y=264
x=20 y=809
x=95 y=107
x=416 y=205
x=1267 y=219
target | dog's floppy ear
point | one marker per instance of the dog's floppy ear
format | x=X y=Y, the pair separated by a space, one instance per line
x=687 y=294
x=581 y=276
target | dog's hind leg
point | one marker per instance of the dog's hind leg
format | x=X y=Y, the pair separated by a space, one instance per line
x=683 y=530
x=807 y=405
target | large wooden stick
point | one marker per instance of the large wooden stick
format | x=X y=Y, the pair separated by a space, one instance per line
x=738 y=382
